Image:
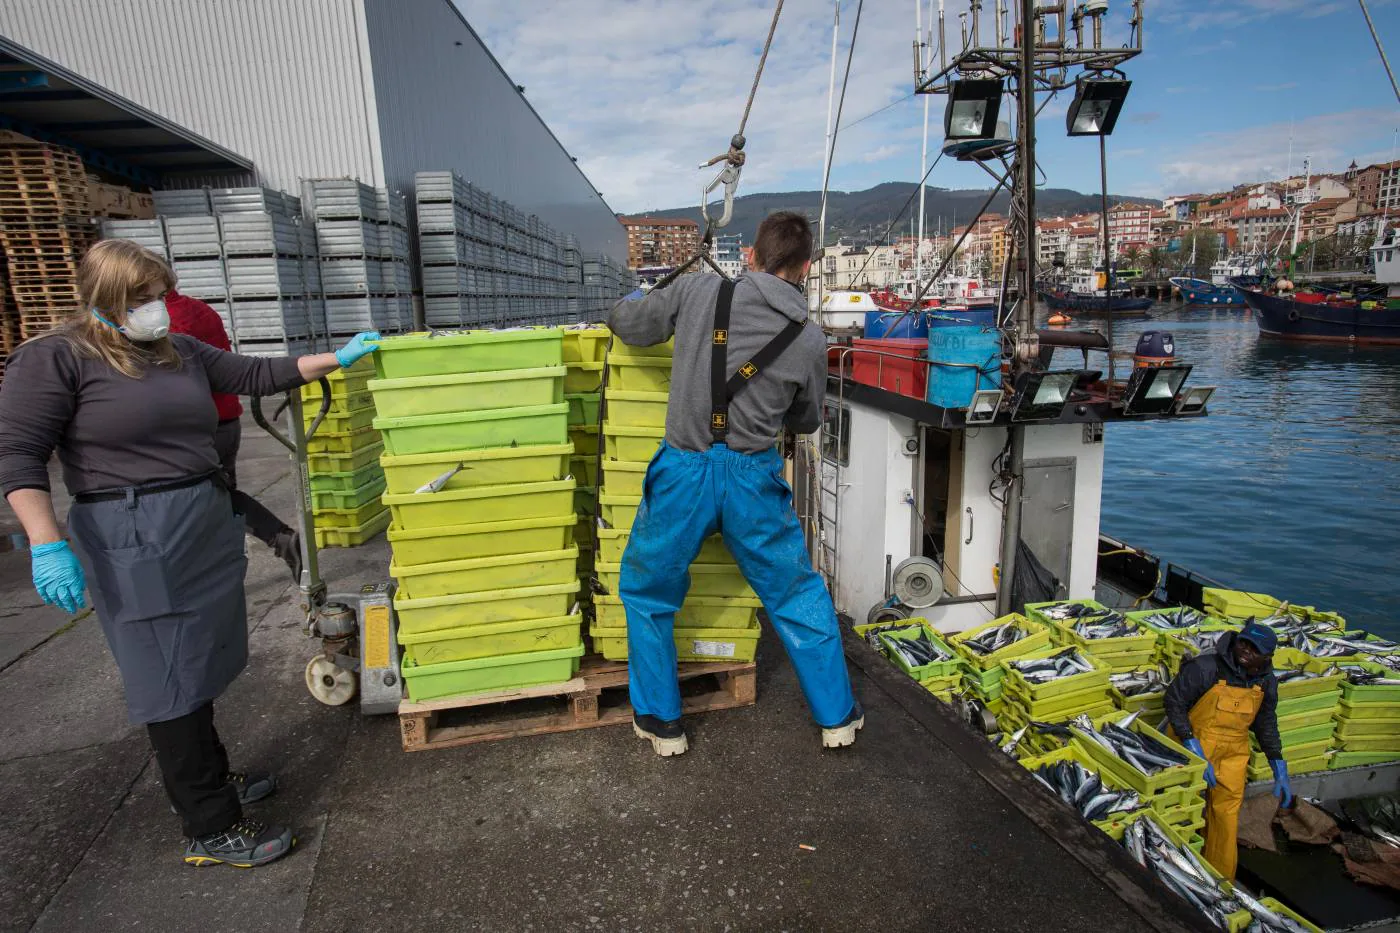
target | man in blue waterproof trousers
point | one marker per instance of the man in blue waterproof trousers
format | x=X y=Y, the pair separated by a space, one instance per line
x=747 y=363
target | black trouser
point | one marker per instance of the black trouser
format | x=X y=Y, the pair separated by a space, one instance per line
x=194 y=766
x=262 y=524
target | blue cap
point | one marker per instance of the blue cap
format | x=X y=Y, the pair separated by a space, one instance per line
x=1260 y=636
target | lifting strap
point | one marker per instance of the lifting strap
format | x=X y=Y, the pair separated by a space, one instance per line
x=722 y=388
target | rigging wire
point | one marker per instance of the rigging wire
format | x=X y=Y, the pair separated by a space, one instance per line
x=885 y=235
x=876 y=113
x=841 y=103
x=1379 y=48
x=767 y=44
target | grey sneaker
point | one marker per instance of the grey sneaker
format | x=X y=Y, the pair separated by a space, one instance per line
x=245 y=844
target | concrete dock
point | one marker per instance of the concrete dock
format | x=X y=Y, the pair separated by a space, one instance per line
x=920 y=826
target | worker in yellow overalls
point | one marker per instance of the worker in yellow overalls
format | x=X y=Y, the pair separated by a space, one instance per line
x=1212 y=705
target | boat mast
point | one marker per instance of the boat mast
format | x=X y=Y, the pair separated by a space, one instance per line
x=826 y=166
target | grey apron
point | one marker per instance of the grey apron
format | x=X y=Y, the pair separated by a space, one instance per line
x=165 y=572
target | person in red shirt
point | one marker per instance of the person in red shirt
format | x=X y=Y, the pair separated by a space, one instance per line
x=195 y=318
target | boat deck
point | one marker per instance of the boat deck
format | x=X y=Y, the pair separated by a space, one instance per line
x=921 y=826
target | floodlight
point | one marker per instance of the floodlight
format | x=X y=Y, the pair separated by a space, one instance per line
x=973 y=104
x=1194 y=400
x=984 y=406
x=1097 y=103
x=1152 y=390
x=1043 y=396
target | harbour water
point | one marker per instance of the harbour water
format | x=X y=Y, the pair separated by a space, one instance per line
x=1291 y=487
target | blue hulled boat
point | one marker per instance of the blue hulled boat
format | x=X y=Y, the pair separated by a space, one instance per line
x=1201 y=292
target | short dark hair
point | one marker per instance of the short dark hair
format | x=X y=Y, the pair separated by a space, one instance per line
x=784 y=242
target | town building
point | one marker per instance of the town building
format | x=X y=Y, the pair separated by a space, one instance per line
x=727 y=251
x=1129 y=225
x=660 y=241
x=1260 y=230
x=1320 y=218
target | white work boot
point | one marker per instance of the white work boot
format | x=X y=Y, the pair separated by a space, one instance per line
x=839 y=736
x=667 y=738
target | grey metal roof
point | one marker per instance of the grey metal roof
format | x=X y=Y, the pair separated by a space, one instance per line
x=46 y=101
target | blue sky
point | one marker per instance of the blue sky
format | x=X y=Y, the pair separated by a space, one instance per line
x=642 y=91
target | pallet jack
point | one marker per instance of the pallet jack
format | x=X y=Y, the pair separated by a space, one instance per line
x=358 y=631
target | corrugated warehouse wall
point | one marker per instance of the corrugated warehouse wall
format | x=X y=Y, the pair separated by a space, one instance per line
x=444 y=102
x=290 y=85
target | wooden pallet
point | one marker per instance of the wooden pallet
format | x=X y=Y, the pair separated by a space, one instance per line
x=596 y=697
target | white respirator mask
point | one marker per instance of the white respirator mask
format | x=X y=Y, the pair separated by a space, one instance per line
x=144 y=324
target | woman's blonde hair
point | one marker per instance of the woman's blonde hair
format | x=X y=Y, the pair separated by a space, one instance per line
x=110 y=278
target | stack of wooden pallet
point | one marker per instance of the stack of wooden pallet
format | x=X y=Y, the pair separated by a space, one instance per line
x=9 y=323
x=45 y=228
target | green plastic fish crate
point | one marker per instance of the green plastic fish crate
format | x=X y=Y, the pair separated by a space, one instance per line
x=1035 y=610
x=502 y=572
x=486 y=641
x=1297 y=918
x=1096 y=679
x=724 y=612
x=1344 y=759
x=1314 y=717
x=343 y=402
x=483 y=539
x=634 y=444
x=476 y=430
x=1144 y=784
x=1378 y=693
x=584 y=377
x=692 y=644
x=330 y=463
x=1119 y=662
x=705 y=579
x=1239 y=604
x=440 y=395
x=1369 y=743
x=1367 y=728
x=585 y=440
x=618 y=511
x=639 y=373
x=491 y=466
x=1310 y=734
x=1070 y=753
x=1211 y=623
x=1366 y=711
x=612 y=542
x=481 y=504
x=635 y=409
x=1038 y=637
x=624 y=477
x=353 y=500
x=585 y=344
x=584 y=470
x=1059 y=706
x=338 y=422
x=1309 y=703
x=940 y=670
x=487 y=675
x=351 y=537
x=475 y=351
x=348 y=518
x=435 y=613
x=981 y=680
x=345 y=482
x=344 y=383
x=583 y=408
x=1293 y=689
x=331 y=442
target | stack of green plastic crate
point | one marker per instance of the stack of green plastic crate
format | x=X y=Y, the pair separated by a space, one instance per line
x=1121 y=653
x=719 y=620
x=476 y=459
x=941 y=678
x=1368 y=718
x=1114 y=822
x=1058 y=700
x=982 y=679
x=1176 y=793
x=584 y=350
x=343 y=460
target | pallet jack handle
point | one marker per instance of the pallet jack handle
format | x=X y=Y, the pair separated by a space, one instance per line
x=277 y=435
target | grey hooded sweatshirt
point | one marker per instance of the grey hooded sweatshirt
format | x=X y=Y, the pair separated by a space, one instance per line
x=788 y=392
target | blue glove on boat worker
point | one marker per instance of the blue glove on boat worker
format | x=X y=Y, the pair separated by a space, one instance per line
x=58 y=577
x=1283 y=790
x=360 y=346
x=1195 y=746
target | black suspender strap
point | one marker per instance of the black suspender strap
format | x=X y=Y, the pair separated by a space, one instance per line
x=719 y=396
x=770 y=352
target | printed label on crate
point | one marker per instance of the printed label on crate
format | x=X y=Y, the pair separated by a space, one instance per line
x=713 y=649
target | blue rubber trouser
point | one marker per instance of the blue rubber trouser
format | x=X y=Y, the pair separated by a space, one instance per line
x=686 y=498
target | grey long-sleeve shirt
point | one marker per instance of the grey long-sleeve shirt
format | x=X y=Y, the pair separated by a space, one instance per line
x=788 y=392
x=112 y=431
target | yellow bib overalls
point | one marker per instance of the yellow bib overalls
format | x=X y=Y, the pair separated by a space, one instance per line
x=1221 y=720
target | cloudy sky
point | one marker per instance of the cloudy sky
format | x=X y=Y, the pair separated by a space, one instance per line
x=642 y=91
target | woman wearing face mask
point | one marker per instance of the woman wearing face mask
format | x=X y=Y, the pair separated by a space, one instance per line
x=127 y=407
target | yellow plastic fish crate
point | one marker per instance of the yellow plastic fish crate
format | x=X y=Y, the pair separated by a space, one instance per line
x=330 y=442
x=1294 y=660
x=705 y=579
x=1368 y=743
x=1297 y=918
x=475 y=430
x=1058 y=707
x=1310 y=733
x=635 y=409
x=349 y=517
x=639 y=373
x=1361 y=695
x=1144 y=784
x=1038 y=637
x=472 y=351
x=1342 y=759
x=1119 y=662
x=585 y=344
x=1210 y=624
x=491 y=466
x=1349 y=711
x=326 y=463
x=482 y=539
x=481 y=504
x=1308 y=703
x=624 y=477
x=482 y=675
x=343 y=400
x=612 y=542
x=352 y=537
x=584 y=377
x=1304 y=720
x=659 y=349
x=1097 y=679
x=338 y=422
x=583 y=408
x=618 y=511
x=1136 y=645
x=485 y=641
x=440 y=395
x=726 y=612
x=1238 y=604
x=343 y=382
x=434 y=613
x=635 y=444
x=1036 y=611
x=501 y=572
x=584 y=437
x=345 y=482
x=692 y=644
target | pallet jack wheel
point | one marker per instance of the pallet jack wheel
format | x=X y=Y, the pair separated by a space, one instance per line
x=330 y=684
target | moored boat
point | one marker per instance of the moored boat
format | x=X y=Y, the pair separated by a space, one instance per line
x=1200 y=292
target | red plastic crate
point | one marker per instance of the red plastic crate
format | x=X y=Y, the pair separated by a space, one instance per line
x=905 y=373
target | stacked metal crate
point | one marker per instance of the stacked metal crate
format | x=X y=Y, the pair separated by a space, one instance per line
x=573 y=280
x=362 y=238
x=604 y=281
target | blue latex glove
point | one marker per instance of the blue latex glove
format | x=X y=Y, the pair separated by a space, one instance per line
x=1195 y=746
x=58 y=577
x=1283 y=790
x=360 y=346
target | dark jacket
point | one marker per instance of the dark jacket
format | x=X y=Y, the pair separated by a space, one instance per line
x=1206 y=670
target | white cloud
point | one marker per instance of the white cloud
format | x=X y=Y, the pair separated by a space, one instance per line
x=1216 y=15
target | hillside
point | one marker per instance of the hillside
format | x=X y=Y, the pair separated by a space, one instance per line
x=865 y=214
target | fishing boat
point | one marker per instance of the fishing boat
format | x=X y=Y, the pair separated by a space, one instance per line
x=1367 y=314
x=1086 y=293
x=1201 y=292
